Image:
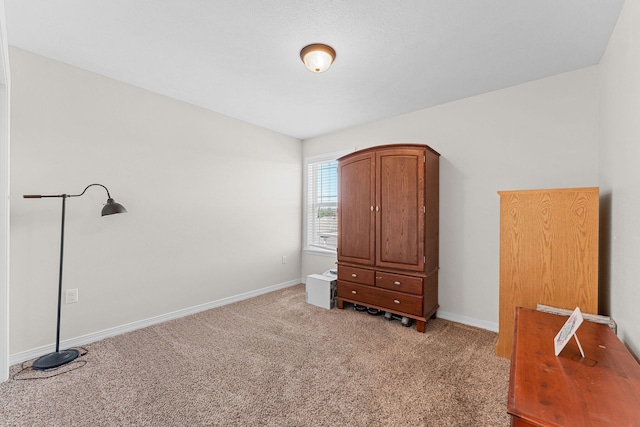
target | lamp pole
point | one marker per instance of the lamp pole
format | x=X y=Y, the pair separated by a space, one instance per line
x=64 y=200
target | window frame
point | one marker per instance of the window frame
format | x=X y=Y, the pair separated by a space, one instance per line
x=308 y=161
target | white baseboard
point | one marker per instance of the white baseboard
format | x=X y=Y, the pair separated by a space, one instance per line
x=483 y=324
x=100 y=335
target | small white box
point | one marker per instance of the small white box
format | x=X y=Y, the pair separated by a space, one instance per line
x=320 y=290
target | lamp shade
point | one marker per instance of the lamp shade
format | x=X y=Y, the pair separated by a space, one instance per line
x=317 y=57
x=112 y=208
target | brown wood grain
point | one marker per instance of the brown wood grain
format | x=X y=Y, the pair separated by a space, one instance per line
x=357 y=275
x=381 y=298
x=399 y=209
x=548 y=253
x=401 y=182
x=432 y=214
x=355 y=214
x=601 y=389
x=399 y=282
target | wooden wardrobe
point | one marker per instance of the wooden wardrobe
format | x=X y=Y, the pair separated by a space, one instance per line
x=388 y=230
x=548 y=253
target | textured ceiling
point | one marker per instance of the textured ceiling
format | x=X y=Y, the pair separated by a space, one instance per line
x=241 y=58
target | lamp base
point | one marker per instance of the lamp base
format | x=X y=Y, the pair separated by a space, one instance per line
x=55 y=359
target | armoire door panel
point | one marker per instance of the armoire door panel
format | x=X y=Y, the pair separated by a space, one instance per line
x=400 y=217
x=356 y=210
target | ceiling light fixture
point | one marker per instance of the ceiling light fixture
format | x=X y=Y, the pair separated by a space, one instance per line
x=317 y=57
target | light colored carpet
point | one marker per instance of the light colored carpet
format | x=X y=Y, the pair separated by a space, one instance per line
x=274 y=361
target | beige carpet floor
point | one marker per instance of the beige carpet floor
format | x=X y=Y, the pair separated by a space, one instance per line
x=273 y=360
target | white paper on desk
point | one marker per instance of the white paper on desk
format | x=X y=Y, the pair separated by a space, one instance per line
x=568 y=330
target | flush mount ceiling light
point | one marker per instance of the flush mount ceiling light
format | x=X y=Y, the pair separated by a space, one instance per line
x=317 y=57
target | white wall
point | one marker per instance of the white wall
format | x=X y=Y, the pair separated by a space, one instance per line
x=5 y=81
x=214 y=203
x=620 y=175
x=541 y=134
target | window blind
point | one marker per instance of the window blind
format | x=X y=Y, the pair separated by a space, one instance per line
x=322 y=205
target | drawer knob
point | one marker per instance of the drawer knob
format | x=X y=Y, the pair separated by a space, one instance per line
x=353 y=292
x=396 y=301
x=354 y=275
x=396 y=283
x=379 y=278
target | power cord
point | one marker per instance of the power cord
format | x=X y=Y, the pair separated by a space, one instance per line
x=27 y=372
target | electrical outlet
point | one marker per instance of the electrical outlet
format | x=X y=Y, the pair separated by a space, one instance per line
x=71 y=296
x=284 y=259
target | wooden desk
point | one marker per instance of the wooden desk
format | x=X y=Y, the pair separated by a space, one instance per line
x=601 y=389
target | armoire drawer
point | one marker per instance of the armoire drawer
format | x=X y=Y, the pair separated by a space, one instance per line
x=394 y=301
x=399 y=283
x=356 y=275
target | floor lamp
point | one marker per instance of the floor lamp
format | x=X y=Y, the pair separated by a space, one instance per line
x=59 y=358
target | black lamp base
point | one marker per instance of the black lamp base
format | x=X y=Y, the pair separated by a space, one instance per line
x=55 y=359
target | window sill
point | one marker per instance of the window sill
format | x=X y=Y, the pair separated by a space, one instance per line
x=321 y=252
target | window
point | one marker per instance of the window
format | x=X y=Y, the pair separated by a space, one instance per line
x=321 y=219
